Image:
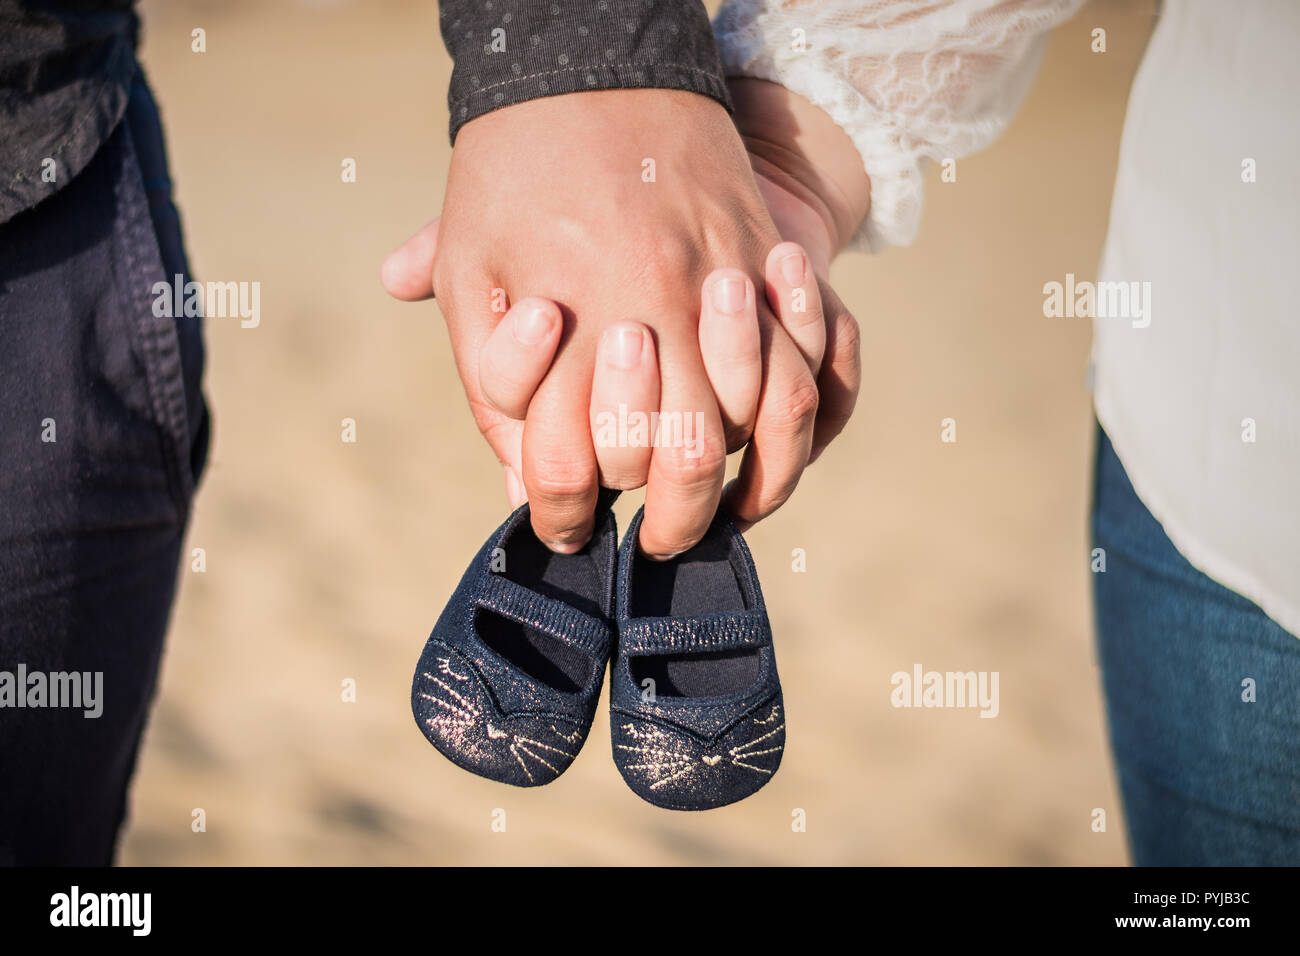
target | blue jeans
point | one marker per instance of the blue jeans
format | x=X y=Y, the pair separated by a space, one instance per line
x=103 y=436
x=1208 y=776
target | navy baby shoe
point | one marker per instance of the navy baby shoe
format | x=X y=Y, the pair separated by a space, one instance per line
x=696 y=714
x=508 y=681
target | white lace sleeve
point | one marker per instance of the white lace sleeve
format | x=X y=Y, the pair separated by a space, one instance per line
x=909 y=80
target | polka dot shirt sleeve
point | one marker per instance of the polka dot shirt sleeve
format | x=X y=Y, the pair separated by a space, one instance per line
x=510 y=51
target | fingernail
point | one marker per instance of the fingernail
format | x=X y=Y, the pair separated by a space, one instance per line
x=663 y=557
x=623 y=346
x=533 y=324
x=729 y=295
x=792 y=268
x=564 y=547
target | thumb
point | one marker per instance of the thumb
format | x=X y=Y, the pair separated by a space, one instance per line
x=407 y=272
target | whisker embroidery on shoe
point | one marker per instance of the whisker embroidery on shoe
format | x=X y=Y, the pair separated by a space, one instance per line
x=652 y=751
x=569 y=738
x=466 y=711
x=444 y=667
x=667 y=780
x=741 y=753
x=657 y=758
x=519 y=746
x=676 y=765
x=514 y=749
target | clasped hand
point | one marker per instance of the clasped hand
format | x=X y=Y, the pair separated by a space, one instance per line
x=581 y=291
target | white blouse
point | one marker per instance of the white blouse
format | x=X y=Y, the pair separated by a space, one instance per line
x=1196 y=353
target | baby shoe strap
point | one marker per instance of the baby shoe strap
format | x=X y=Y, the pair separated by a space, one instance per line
x=549 y=615
x=686 y=635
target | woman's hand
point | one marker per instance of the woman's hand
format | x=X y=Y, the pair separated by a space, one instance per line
x=812 y=179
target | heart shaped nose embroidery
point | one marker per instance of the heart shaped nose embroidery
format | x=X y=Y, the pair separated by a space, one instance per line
x=711 y=761
x=495 y=734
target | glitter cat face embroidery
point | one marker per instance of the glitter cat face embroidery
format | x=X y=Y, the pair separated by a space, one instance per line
x=458 y=713
x=663 y=758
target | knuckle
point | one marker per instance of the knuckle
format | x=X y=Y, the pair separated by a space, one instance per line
x=736 y=353
x=489 y=419
x=576 y=229
x=736 y=378
x=697 y=460
x=798 y=407
x=764 y=500
x=848 y=338
x=503 y=386
x=771 y=502
x=654 y=260
x=801 y=316
x=560 y=479
x=462 y=288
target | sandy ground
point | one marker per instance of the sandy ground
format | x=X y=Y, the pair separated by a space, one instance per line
x=329 y=561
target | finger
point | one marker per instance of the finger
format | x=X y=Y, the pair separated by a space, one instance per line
x=689 y=459
x=841 y=374
x=506 y=435
x=730 y=346
x=407 y=271
x=624 y=392
x=559 y=461
x=471 y=322
x=515 y=493
x=517 y=355
x=792 y=293
x=782 y=440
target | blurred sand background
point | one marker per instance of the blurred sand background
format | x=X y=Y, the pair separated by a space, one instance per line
x=328 y=561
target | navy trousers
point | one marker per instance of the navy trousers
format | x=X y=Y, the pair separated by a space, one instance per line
x=103 y=437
